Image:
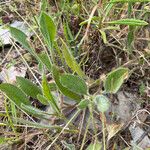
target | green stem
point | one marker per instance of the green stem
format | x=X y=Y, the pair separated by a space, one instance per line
x=85 y=134
x=130 y=36
x=48 y=148
x=92 y=118
x=9 y=118
x=103 y=130
x=129 y=9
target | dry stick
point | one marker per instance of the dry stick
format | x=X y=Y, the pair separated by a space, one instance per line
x=81 y=126
x=85 y=134
x=103 y=129
x=124 y=141
x=85 y=37
x=6 y=55
x=22 y=111
x=48 y=148
x=88 y=26
x=26 y=63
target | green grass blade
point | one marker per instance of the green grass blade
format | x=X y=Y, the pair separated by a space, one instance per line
x=130 y=22
x=43 y=5
x=67 y=32
x=42 y=99
x=103 y=34
x=47 y=93
x=130 y=38
x=70 y=60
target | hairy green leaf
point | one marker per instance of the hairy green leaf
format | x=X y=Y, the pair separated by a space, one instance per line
x=15 y=94
x=43 y=5
x=130 y=22
x=94 y=146
x=48 y=28
x=52 y=86
x=47 y=93
x=43 y=125
x=115 y=79
x=74 y=83
x=45 y=60
x=83 y=104
x=64 y=90
x=42 y=99
x=102 y=103
x=34 y=124
x=21 y=38
x=70 y=60
x=28 y=87
x=34 y=111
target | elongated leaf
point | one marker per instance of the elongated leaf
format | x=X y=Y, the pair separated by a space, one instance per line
x=115 y=79
x=67 y=32
x=13 y=110
x=34 y=124
x=34 y=111
x=15 y=94
x=74 y=83
x=107 y=9
x=52 y=86
x=64 y=90
x=42 y=99
x=45 y=60
x=83 y=104
x=103 y=34
x=47 y=93
x=130 y=22
x=28 y=87
x=94 y=18
x=3 y=140
x=70 y=60
x=43 y=5
x=102 y=103
x=96 y=146
x=130 y=38
x=48 y=28
x=43 y=125
x=126 y=1
x=21 y=38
